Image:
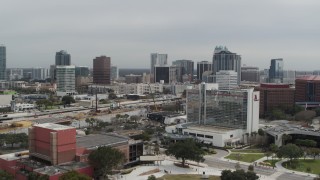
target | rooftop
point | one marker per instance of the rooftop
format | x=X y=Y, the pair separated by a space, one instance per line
x=96 y=140
x=309 y=78
x=53 y=126
x=214 y=129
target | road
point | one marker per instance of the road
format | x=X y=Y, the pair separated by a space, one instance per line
x=266 y=173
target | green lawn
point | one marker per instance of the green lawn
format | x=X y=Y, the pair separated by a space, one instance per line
x=185 y=177
x=302 y=165
x=272 y=162
x=247 y=150
x=245 y=157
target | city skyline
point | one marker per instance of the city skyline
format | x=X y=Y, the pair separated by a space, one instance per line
x=34 y=32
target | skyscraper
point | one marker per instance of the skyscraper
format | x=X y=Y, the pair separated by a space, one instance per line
x=65 y=80
x=276 y=71
x=187 y=68
x=159 y=60
x=102 y=70
x=3 y=62
x=63 y=58
x=114 y=73
x=202 y=67
x=223 y=59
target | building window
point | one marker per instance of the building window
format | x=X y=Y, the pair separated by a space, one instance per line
x=231 y=136
x=192 y=134
x=200 y=135
x=209 y=137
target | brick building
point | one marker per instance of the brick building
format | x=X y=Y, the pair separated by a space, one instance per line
x=308 y=91
x=56 y=149
x=275 y=95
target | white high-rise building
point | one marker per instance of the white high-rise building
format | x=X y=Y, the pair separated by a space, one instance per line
x=114 y=73
x=65 y=80
x=227 y=80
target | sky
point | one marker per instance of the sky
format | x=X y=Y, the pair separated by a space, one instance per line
x=129 y=30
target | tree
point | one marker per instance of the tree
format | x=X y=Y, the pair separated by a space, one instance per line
x=261 y=132
x=251 y=168
x=187 y=149
x=314 y=152
x=5 y=176
x=290 y=151
x=112 y=96
x=238 y=175
x=105 y=159
x=274 y=149
x=135 y=118
x=286 y=137
x=248 y=134
x=152 y=177
x=268 y=154
x=68 y=100
x=36 y=176
x=74 y=175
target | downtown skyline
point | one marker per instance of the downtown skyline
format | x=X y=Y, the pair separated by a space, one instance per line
x=130 y=32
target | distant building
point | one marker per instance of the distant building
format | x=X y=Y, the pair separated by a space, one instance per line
x=276 y=71
x=65 y=80
x=223 y=59
x=227 y=80
x=165 y=74
x=308 y=91
x=39 y=73
x=159 y=60
x=3 y=62
x=14 y=74
x=202 y=67
x=114 y=73
x=82 y=71
x=63 y=58
x=102 y=70
x=275 y=96
x=250 y=74
x=187 y=68
x=132 y=78
x=289 y=77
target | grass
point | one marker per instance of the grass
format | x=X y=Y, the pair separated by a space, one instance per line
x=245 y=157
x=302 y=165
x=186 y=177
x=247 y=150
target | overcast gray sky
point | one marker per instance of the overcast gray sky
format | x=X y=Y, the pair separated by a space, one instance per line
x=129 y=30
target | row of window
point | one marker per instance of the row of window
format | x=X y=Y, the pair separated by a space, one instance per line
x=200 y=135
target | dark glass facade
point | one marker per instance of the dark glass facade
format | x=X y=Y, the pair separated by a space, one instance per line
x=63 y=58
x=276 y=71
x=162 y=73
x=3 y=63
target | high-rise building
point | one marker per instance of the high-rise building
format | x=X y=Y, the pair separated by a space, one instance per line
x=132 y=78
x=233 y=109
x=65 y=80
x=202 y=67
x=289 y=76
x=114 y=73
x=82 y=71
x=223 y=59
x=102 y=70
x=187 y=67
x=3 y=62
x=14 y=74
x=39 y=73
x=165 y=74
x=250 y=74
x=227 y=80
x=276 y=71
x=63 y=58
x=159 y=60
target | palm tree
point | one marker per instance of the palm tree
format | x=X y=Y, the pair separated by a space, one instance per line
x=248 y=134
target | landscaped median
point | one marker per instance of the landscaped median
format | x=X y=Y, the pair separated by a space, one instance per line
x=307 y=165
